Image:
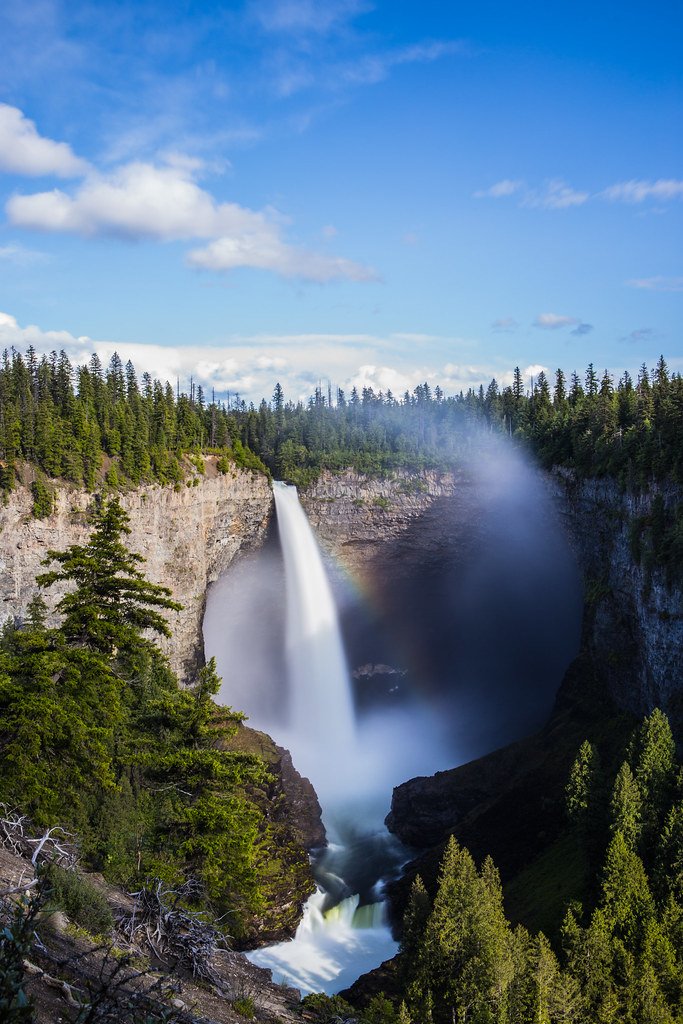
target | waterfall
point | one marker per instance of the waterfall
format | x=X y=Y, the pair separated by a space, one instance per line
x=321 y=727
x=339 y=937
x=330 y=949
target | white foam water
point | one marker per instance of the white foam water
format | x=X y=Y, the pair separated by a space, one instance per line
x=330 y=950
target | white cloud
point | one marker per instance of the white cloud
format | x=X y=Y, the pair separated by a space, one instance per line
x=252 y=364
x=138 y=200
x=638 y=191
x=24 y=151
x=382 y=378
x=467 y=375
x=500 y=190
x=555 y=195
x=534 y=370
x=267 y=251
x=657 y=284
x=142 y=200
x=553 y=321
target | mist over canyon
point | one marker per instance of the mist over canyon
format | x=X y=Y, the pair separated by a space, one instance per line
x=457 y=630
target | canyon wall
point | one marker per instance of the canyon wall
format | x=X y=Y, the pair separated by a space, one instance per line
x=187 y=534
x=633 y=624
x=375 y=530
x=354 y=516
x=510 y=803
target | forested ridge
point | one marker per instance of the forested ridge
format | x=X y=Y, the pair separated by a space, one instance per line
x=79 y=423
x=103 y=427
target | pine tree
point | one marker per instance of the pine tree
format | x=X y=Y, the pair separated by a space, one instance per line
x=581 y=785
x=626 y=897
x=626 y=806
x=414 y=922
x=652 y=755
x=111 y=602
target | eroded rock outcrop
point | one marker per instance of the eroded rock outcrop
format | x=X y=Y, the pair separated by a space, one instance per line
x=188 y=536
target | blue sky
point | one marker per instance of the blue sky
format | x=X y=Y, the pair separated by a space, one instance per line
x=370 y=193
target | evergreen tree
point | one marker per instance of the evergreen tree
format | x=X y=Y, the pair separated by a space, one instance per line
x=111 y=602
x=652 y=755
x=626 y=806
x=581 y=785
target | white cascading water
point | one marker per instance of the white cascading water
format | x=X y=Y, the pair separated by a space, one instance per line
x=332 y=946
x=320 y=701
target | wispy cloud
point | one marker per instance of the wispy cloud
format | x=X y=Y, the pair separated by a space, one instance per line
x=24 y=151
x=581 y=330
x=20 y=255
x=307 y=17
x=657 y=284
x=505 y=324
x=501 y=189
x=376 y=67
x=165 y=203
x=557 y=194
x=265 y=250
x=664 y=189
x=554 y=321
x=640 y=334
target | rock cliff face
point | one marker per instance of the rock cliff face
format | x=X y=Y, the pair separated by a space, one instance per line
x=187 y=535
x=633 y=624
x=355 y=517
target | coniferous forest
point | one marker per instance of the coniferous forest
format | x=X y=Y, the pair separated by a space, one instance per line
x=98 y=736
x=73 y=422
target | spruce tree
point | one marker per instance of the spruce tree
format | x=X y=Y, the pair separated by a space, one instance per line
x=111 y=601
x=626 y=806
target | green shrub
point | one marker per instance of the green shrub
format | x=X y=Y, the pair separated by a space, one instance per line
x=327 y=1008
x=244 y=1005
x=79 y=899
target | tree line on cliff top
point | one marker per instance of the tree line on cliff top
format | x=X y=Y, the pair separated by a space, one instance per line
x=90 y=421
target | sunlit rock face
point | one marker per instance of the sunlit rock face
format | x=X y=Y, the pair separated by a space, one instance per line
x=188 y=536
x=355 y=516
